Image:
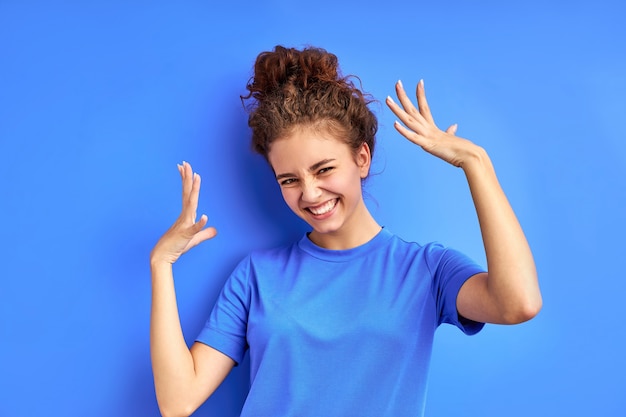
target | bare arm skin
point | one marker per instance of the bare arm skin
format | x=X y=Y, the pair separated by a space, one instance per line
x=509 y=292
x=183 y=378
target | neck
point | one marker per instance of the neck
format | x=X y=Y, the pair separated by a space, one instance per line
x=350 y=236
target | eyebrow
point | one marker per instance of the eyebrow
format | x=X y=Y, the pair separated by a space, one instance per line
x=313 y=167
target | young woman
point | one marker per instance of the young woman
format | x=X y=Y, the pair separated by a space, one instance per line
x=341 y=322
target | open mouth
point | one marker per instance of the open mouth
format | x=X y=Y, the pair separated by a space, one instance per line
x=323 y=208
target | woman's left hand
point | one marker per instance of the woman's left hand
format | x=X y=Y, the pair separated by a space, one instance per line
x=419 y=127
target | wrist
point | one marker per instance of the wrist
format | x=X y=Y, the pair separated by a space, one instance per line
x=159 y=263
x=475 y=157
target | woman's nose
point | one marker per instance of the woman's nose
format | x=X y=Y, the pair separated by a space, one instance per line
x=311 y=191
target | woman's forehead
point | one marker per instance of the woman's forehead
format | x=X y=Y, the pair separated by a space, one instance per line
x=303 y=148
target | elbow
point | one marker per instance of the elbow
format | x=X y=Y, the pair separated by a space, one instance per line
x=522 y=312
x=175 y=409
x=175 y=412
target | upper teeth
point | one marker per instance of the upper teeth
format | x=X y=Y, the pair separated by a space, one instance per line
x=324 y=208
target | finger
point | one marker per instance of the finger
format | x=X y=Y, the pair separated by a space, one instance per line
x=194 y=195
x=189 y=230
x=199 y=225
x=394 y=107
x=200 y=233
x=206 y=234
x=181 y=172
x=422 y=103
x=187 y=184
x=452 y=129
x=406 y=102
x=410 y=134
x=410 y=121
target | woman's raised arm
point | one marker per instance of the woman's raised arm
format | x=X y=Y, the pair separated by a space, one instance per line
x=183 y=378
x=509 y=292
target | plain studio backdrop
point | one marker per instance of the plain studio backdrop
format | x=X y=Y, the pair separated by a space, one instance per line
x=100 y=101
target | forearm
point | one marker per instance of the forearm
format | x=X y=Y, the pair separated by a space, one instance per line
x=511 y=285
x=172 y=363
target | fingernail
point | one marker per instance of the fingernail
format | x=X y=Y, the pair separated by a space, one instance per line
x=400 y=84
x=389 y=99
x=422 y=82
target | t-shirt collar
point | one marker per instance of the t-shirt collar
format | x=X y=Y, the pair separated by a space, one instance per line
x=343 y=255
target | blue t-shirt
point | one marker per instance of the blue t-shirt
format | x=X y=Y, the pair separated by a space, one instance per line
x=339 y=332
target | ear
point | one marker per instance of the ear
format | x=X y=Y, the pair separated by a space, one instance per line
x=364 y=160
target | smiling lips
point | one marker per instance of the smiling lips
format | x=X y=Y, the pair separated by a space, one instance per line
x=323 y=208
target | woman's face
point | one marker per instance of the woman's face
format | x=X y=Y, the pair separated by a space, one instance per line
x=320 y=179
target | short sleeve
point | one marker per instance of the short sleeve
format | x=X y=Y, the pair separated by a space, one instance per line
x=450 y=269
x=226 y=328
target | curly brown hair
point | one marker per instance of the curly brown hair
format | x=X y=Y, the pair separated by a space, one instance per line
x=293 y=88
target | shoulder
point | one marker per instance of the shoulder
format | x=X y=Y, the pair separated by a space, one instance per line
x=268 y=261
x=272 y=255
x=406 y=247
x=434 y=254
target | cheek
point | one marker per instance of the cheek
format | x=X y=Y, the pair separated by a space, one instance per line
x=346 y=189
x=349 y=185
x=291 y=196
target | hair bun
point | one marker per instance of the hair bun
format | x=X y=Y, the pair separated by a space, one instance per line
x=289 y=68
x=292 y=88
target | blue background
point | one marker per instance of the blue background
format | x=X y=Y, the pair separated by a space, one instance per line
x=100 y=101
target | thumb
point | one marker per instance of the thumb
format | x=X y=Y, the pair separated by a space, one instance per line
x=452 y=129
x=201 y=236
x=200 y=232
x=208 y=233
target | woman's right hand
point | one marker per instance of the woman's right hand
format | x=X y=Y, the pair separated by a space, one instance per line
x=185 y=233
